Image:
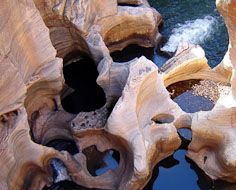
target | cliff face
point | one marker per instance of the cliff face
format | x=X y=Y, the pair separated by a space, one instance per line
x=139 y=120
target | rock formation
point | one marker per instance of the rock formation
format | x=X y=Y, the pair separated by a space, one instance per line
x=212 y=146
x=138 y=120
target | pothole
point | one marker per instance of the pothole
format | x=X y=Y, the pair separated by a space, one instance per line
x=197 y=95
x=163 y=118
x=100 y=162
x=131 y=52
x=80 y=73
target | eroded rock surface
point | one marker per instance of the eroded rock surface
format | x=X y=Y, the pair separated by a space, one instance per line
x=139 y=120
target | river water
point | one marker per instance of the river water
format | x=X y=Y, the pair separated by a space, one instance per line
x=195 y=21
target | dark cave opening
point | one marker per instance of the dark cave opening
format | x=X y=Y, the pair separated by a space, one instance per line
x=131 y=52
x=80 y=73
x=63 y=144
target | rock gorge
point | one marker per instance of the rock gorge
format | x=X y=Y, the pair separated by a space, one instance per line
x=129 y=109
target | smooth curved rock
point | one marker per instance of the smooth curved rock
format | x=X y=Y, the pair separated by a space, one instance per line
x=70 y=22
x=31 y=78
x=143 y=122
x=189 y=62
x=139 y=120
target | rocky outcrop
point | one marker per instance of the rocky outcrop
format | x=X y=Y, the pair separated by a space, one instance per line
x=189 y=62
x=227 y=10
x=31 y=78
x=73 y=23
x=31 y=81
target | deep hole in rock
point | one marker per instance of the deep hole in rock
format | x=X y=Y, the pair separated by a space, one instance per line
x=131 y=52
x=100 y=162
x=163 y=118
x=80 y=73
x=62 y=144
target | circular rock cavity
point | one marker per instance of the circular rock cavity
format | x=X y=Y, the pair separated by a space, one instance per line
x=163 y=118
x=100 y=162
x=197 y=95
x=82 y=93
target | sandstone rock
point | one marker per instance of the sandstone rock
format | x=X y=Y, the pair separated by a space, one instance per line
x=189 y=62
x=139 y=120
x=70 y=22
x=143 y=122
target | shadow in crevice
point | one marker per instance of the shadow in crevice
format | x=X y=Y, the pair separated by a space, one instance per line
x=80 y=73
x=128 y=4
x=131 y=52
x=63 y=144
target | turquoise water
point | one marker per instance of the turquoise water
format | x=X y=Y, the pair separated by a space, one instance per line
x=196 y=21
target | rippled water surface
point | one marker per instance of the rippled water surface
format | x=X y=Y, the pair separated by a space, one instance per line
x=196 y=21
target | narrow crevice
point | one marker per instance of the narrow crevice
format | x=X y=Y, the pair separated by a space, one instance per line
x=128 y=4
x=80 y=73
x=131 y=52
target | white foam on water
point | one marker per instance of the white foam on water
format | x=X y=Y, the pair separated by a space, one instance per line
x=193 y=31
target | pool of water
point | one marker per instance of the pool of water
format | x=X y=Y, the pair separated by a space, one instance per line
x=195 y=21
